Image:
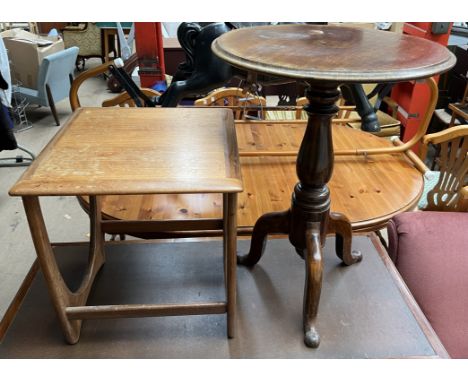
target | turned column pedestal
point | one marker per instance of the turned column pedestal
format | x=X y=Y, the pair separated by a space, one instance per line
x=324 y=57
x=307 y=221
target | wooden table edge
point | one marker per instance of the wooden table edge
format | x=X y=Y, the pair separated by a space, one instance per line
x=230 y=186
x=232 y=183
x=338 y=77
x=44 y=151
x=379 y=223
x=330 y=75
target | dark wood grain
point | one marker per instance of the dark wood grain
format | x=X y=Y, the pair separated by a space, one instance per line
x=333 y=53
x=323 y=57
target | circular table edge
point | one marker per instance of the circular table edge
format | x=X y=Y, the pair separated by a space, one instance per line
x=334 y=76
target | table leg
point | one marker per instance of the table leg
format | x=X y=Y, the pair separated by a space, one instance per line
x=270 y=223
x=225 y=239
x=313 y=283
x=106 y=45
x=230 y=245
x=307 y=221
x=341 y=227
x=62 y=297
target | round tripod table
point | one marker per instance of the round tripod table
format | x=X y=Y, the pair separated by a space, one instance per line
x=323 y=57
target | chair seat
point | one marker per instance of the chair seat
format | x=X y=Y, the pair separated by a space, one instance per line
x=31 y=95
x=389 y=125
x=430 y=180
x=53 y=81
x=430 y=250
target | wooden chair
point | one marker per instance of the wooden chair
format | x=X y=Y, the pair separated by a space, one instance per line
x=343 y=117
x=289 y=114
x=460 y=110
x=347 y=115
x=243 y=100
x=459 y=117
x=389 y=123
x=429 y=247
x=123 y=99
x=449 y=189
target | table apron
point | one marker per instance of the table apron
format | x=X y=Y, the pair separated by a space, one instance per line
x=144 y=226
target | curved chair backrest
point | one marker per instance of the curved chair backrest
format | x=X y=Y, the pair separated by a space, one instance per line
x=451 y=190
x=56 y=71
x=232 y=97
x=125 y=100
x=82 y=77
x=122 y=99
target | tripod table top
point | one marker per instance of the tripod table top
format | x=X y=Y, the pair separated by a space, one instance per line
x=332 y=53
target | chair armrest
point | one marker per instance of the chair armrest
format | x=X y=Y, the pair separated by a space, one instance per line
x=446 y=135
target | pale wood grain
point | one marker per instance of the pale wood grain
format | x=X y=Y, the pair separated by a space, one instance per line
x=368 y=190
x=109 y=151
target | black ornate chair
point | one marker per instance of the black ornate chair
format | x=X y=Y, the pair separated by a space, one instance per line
x=203 y=72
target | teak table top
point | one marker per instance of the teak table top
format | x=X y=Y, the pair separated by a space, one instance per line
x=114 y=151
x=332 y=53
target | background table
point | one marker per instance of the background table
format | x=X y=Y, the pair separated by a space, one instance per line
x=324 y=57
x=368 y=198
x=109 y=31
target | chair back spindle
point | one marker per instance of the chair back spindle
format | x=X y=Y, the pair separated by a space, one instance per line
x=447 y=194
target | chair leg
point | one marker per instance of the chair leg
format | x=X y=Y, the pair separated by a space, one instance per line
x=52 y=105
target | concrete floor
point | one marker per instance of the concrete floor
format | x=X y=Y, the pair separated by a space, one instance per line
x=64 y=217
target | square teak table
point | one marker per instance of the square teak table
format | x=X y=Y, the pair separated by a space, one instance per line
x=114 y=151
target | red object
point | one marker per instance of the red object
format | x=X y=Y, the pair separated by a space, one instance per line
x=429 y=250
x=149 y=47
x=413 y=97
x=424 y=30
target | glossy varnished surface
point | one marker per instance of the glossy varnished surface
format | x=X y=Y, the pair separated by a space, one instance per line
x=137 y=151
x=332 y=53
x=368 y=191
